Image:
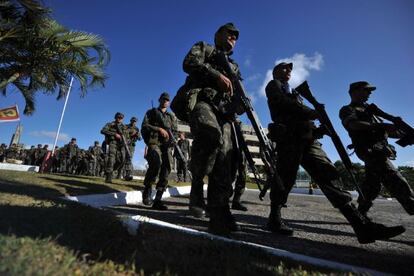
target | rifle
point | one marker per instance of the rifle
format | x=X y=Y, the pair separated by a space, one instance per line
x=268 y=155
x=124 y=141
x=241 y=144
x=304 y=90
x=402 y=127
x=178 y=149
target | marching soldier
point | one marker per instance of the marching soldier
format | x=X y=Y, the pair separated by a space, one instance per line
x=133 y=136
x=296 y=136
x=184 y=145
x=157 y=126
x=71 y=152
x=211 y=152
x=95 y=152
x=369 y=139
x=113 y=132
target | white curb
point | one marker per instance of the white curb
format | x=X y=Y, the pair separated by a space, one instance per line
x=133 y=223
x=16 y=167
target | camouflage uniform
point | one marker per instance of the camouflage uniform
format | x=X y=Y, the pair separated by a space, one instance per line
x=159 y=152
x=184 y=145
x=133 y=135
x=71 y=151
x=95 y=156
x=12 y=152
x=212 y=147
x=3 y=149
x=116 y=150
x=371 y=146
x=37 y=155
x=295 y=135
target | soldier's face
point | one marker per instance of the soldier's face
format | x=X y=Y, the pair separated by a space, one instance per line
x=164 y=103
x=361 y=95
x=119 y=119
x=283 y=74
x=226 y=39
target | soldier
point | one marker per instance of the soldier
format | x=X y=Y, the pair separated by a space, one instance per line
x=95 y=155
x=72 y=151
x=184 y=145
x=369 y=139
x=296 y=136
x=211 y=151
x=113 y=132
x=3 y=149
x=37 y=155
x=157 y=126
x=12 y=152
x=133 y=136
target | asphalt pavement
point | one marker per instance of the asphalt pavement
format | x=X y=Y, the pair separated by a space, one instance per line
x=320 y=230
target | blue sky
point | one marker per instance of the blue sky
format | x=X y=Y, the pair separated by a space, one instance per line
x=332 y=43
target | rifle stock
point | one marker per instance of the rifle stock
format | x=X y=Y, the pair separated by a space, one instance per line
x=304 y=90
x=268 y=155
x=124 y=142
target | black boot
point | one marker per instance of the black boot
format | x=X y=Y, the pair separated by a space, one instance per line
x=366 y=230
x=218 y=224
x=276 y=223
x=236 y=205
x=231 y=221
x=108 y=178
x=196 y=211
x=147 y=196
x=128 y=177
x=158 y=204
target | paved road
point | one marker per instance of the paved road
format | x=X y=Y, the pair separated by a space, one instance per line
x=320 y=230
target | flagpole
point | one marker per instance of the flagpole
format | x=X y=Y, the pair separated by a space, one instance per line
x=61 y=116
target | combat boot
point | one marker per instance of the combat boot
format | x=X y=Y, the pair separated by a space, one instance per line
x=128 y=177
x=108 y=178
x=231 y=221
x=158 y=204
x=366 y=230
x=196 y=211
x=218 y=224
x=147 y=196
x=236 y=205
x=276 y=224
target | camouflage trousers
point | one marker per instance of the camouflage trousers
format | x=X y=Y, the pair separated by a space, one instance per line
x=181 y=169
x=159 y=160
x=115 y=158
x=314 y=160
x=379 y=170
x=211 y=155
x=128 y=162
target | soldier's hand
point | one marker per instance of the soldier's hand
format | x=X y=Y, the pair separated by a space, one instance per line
x=225 y=84
x=163 y=133
x=118 y=137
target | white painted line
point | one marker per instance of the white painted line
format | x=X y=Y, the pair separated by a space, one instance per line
x=16 y=167
x=123 y=198
x=133 y=223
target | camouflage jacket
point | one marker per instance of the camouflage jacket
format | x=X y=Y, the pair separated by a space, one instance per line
x=111 y=129
x=95 y=151
x=133 y=135
x=288 y=111
x=360 y=112
x=71 y=150
x=203 y=70
x=155 y=119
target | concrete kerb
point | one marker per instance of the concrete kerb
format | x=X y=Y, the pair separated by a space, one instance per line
x=18 y=167
x=133 y=223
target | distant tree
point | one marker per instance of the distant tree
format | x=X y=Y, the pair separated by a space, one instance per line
x=359 y=171
x=37 y=54
x=408 y=173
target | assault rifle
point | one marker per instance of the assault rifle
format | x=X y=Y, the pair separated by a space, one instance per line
x=242 y=145
x=268 y=155
x=178 y=149
x=406 y=131
x=124 y=142
x=304 y=90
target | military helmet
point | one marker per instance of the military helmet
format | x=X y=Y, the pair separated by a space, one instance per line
x=119 y=114
x=229 y=27
x=165 y=96
x=96 y=142
x=134 y=119
x=282 y=65
x=361 y=85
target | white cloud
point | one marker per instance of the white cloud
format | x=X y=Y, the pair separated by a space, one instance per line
x=252 y=78
x=302 y=65
x=50 y=134
x=248 y=61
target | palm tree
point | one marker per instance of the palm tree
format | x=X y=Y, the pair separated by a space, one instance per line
x=37 y=54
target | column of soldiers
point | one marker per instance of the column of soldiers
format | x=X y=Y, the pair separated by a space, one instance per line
x=296 y=136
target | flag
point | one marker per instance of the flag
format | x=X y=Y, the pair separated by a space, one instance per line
x=9 y=114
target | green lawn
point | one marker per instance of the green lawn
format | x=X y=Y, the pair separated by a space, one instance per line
x=42 y=234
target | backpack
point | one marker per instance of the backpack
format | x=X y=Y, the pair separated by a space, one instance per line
x=186 y=97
